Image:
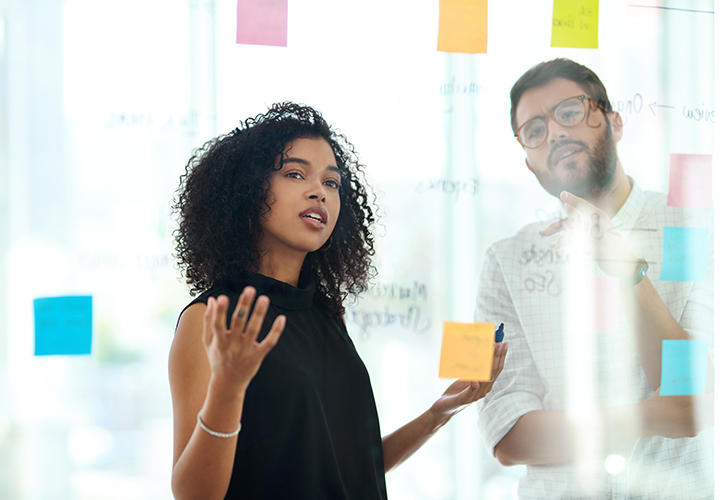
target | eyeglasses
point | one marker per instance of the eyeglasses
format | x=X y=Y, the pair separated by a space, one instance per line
x=568 y=113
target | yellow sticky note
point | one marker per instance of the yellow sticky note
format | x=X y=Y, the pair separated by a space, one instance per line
x=467 y=351
x=463 y=26
x=575 y=24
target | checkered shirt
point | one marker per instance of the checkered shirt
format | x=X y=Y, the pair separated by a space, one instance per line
x=524 y=283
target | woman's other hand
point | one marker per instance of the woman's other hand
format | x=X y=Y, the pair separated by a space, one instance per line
x=461 y=393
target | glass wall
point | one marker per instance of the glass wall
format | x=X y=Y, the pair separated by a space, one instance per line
x=101 y=104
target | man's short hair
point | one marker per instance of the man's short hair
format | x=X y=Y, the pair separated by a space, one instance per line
x=542 y=73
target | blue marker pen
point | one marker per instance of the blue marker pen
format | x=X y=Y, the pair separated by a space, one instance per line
x=500 y=333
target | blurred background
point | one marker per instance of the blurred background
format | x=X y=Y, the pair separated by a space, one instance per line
x=101 y=104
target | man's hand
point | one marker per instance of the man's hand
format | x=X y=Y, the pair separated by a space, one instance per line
x=590 y=231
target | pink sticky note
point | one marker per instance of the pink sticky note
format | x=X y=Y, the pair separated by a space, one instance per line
x=607 y=303
x=690 y=181
x=262 y=22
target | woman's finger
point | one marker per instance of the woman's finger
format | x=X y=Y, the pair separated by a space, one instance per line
x=242 y=310
x=502 y=360
x=220 y=318
x=271 y=339
x=496 y=359
x=220 y=313
x=256 y=320
x=480 y=391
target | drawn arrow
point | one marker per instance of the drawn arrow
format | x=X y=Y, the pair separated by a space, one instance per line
x=655 y=104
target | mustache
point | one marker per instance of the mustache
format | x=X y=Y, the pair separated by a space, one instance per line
x=558 y=145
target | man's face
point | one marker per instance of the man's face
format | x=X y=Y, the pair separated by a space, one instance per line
x=581 y=159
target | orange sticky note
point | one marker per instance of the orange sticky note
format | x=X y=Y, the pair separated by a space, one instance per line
x=690 y=181
x=467 y=351
x=463 y=26
x=575 y=24
x=607 y=304
x=262 y=22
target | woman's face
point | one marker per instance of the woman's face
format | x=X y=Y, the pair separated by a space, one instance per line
x=304 y=199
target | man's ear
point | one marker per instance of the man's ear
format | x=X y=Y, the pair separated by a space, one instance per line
x=616 y=124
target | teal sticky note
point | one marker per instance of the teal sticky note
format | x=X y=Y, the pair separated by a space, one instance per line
x=685 y=253
x=684 y=367
x=63 y=325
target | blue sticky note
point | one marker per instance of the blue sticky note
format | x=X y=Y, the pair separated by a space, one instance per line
x=685 y=253
x=684 y=367
x=63 y=325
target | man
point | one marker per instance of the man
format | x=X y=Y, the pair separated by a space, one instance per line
x=579 y=403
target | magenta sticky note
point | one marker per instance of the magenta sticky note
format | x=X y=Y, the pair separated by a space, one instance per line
x=690 y=181
x=606 y=304
x=262 y=22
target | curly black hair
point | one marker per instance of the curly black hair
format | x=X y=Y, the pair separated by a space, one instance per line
x=223 y=193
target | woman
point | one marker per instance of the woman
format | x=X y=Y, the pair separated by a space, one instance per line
x=276 y=210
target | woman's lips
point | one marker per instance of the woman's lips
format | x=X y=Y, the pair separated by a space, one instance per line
x=315 y=217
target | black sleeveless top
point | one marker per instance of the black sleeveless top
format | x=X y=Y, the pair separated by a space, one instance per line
x=309 y=425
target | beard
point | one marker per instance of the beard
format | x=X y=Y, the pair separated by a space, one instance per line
x=588 y=182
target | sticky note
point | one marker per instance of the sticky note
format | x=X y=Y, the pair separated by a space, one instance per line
x=685 y=253
x=606 y=304
x=262 y=22
x=63 y=325
x=690 y=181
x=684 y=367
x=575 y=24
x=463 y=26
x=467 y=351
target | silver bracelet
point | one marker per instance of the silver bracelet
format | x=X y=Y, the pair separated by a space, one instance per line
x=216 y=433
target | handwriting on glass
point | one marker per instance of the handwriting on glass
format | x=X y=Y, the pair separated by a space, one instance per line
x=450 y=187
x=542 y=283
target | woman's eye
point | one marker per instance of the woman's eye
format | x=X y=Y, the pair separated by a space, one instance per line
x=333 y=184
x=294 y=175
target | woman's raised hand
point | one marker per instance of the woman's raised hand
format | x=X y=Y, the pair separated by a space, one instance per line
x=234 y=354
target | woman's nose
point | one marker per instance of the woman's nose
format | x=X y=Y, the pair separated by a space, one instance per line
x=317 y=192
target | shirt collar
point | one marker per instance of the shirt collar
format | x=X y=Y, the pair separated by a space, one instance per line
x=280 y=294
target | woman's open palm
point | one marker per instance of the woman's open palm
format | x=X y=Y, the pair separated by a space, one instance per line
x=234 y=354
